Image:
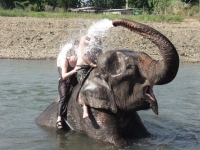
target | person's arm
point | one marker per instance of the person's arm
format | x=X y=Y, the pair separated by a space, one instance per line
x=65 y=73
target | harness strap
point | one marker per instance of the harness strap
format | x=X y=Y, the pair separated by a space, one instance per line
x=84 y=79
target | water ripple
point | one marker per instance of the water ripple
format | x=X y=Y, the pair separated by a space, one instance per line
x=28 y=87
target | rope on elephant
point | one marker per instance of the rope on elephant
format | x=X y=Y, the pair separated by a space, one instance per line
x=84 y=79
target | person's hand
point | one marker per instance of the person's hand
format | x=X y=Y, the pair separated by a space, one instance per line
x=76 y=68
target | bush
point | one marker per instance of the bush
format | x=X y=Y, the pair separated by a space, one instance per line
x=12 y=13
x=193 y=10
x=33 y=7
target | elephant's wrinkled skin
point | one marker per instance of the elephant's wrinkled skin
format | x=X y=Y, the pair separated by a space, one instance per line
x=121 y=85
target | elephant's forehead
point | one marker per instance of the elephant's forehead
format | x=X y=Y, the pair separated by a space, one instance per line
x=129 y=53
x=116 y=58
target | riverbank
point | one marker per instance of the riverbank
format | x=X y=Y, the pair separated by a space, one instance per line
x=41 y=38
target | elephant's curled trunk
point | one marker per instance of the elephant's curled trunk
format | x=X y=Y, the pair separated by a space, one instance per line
x=159 y=72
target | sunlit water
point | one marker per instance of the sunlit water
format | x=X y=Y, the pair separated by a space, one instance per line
x=28 y=87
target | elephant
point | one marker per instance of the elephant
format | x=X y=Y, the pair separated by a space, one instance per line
x=121 y=85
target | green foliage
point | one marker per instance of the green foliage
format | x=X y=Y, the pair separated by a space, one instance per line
x=188 y=11
x=21 y=4
x=7 y=4
x=193 y=2
x=66 y=4
x=140 y=4
x=193 y=10
x=53 y=3
x=159 y=6
x=159 y=18
x=33 y=7
x=12 y=13
x=151 y=18
x=166 y=7
x=40 y=4
x=111 y=4
x=115 y=4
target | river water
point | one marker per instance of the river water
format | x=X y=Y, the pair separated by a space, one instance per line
x=28 y=87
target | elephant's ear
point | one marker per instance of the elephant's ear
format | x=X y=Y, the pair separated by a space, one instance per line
x=97 y=93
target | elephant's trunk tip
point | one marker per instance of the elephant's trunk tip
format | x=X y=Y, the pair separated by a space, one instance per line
x=114 y=23
x=117 y=22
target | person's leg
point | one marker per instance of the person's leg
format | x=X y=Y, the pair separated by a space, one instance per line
x=85 y=111
x=59 y=118
x=80 y=77
x=59 y=124
x=62 y=105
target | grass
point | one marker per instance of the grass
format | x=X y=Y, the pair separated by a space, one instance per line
x=150 y=18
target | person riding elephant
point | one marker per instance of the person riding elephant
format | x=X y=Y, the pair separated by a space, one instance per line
x=66 y=63
x=90 y=48
x=121 y=85
x=72 y=62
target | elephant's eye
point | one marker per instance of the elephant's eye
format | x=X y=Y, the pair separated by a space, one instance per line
x=130 y=67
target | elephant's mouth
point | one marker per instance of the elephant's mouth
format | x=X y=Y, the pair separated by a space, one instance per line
x=151 y=98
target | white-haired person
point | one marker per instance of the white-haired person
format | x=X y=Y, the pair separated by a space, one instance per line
x=66 y=63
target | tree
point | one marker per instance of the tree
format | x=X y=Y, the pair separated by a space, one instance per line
x=7 y=4
x=193 y=2
x=116 y=4
x=53 y=3
x=141 y=4
x=22 y=4
x=159 y=6
x=40 y=4
x=66 y=4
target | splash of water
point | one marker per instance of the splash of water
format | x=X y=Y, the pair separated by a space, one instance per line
x=95 y=33
x=100 y=27
x=69 y=48
x=94 y=45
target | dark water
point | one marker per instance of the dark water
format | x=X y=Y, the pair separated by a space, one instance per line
x=28 y=87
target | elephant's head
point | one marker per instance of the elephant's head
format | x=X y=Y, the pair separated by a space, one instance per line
x=124 y=79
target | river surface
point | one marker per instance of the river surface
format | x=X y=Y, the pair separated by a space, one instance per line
x=28 y=87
